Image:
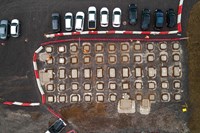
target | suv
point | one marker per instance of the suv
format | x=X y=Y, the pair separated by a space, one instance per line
x=171 y=18
x=159 y=19
x=104 y=17
x=4 y=25
x=116 y=20
x=68 y=21
x=14 y=28
x=133 y=14
x=79 y=21
x=146 y=19
x=92 y=17
x=55 y=22
x=57 y=126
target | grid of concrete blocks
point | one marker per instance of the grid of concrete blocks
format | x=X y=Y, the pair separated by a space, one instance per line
x=104 y=71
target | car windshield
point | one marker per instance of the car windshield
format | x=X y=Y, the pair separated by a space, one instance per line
x=79 y=17
x=14 y=24
x=91 y=12
x=117 y=13
x=55 y=17
x=68 y=17
x=104 y=12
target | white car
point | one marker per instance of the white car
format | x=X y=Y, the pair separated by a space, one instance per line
x=104 y=17
x=68 y=21
x=92 y=17
x=14 y=28
x=80 y=16
x=116 y=19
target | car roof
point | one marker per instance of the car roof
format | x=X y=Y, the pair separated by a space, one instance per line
x=13 y=30
x=2 y=30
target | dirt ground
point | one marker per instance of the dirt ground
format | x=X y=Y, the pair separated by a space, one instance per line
x=194 y=67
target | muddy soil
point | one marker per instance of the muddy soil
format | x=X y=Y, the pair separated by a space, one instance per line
x=193 y=31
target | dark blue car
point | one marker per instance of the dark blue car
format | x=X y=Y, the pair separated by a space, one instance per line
x=159 y=19
x=133 y=14
x=146 y=19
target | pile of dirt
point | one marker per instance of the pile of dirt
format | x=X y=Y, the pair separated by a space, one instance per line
x=193 y=31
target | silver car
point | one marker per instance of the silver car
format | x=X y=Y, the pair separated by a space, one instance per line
x=4 y=29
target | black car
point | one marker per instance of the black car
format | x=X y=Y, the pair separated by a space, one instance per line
x=57 y=127
x=133 y=14
x=159 y=19
x=55 y=22
x=146 y=19
x=171 y=18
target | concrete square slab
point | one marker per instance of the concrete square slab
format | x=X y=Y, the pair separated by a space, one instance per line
x=112 y=85
x=112 y=59
x=99 y=47
x=87 y=73
x=112 y=72
x=75 y=86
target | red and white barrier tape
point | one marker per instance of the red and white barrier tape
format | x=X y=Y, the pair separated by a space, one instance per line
x=37 y=74
x=21 y=103
x=179 y=29
x=114 y=40
x=111 y=32
x=180 y=9
x=53 y=112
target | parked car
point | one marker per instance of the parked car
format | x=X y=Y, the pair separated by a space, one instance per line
x=146 y=19
x=56 y=22
x=116 y=20
x=4 y=29
x=171 y=18
x=92 y=17
x=159 y=19
x=133 y=14
x=57 y=126
x=14 y=28
x=80 y=16
x=104 y=17
x=68 y=21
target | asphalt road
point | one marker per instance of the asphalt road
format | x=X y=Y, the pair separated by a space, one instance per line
x=17 y=81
